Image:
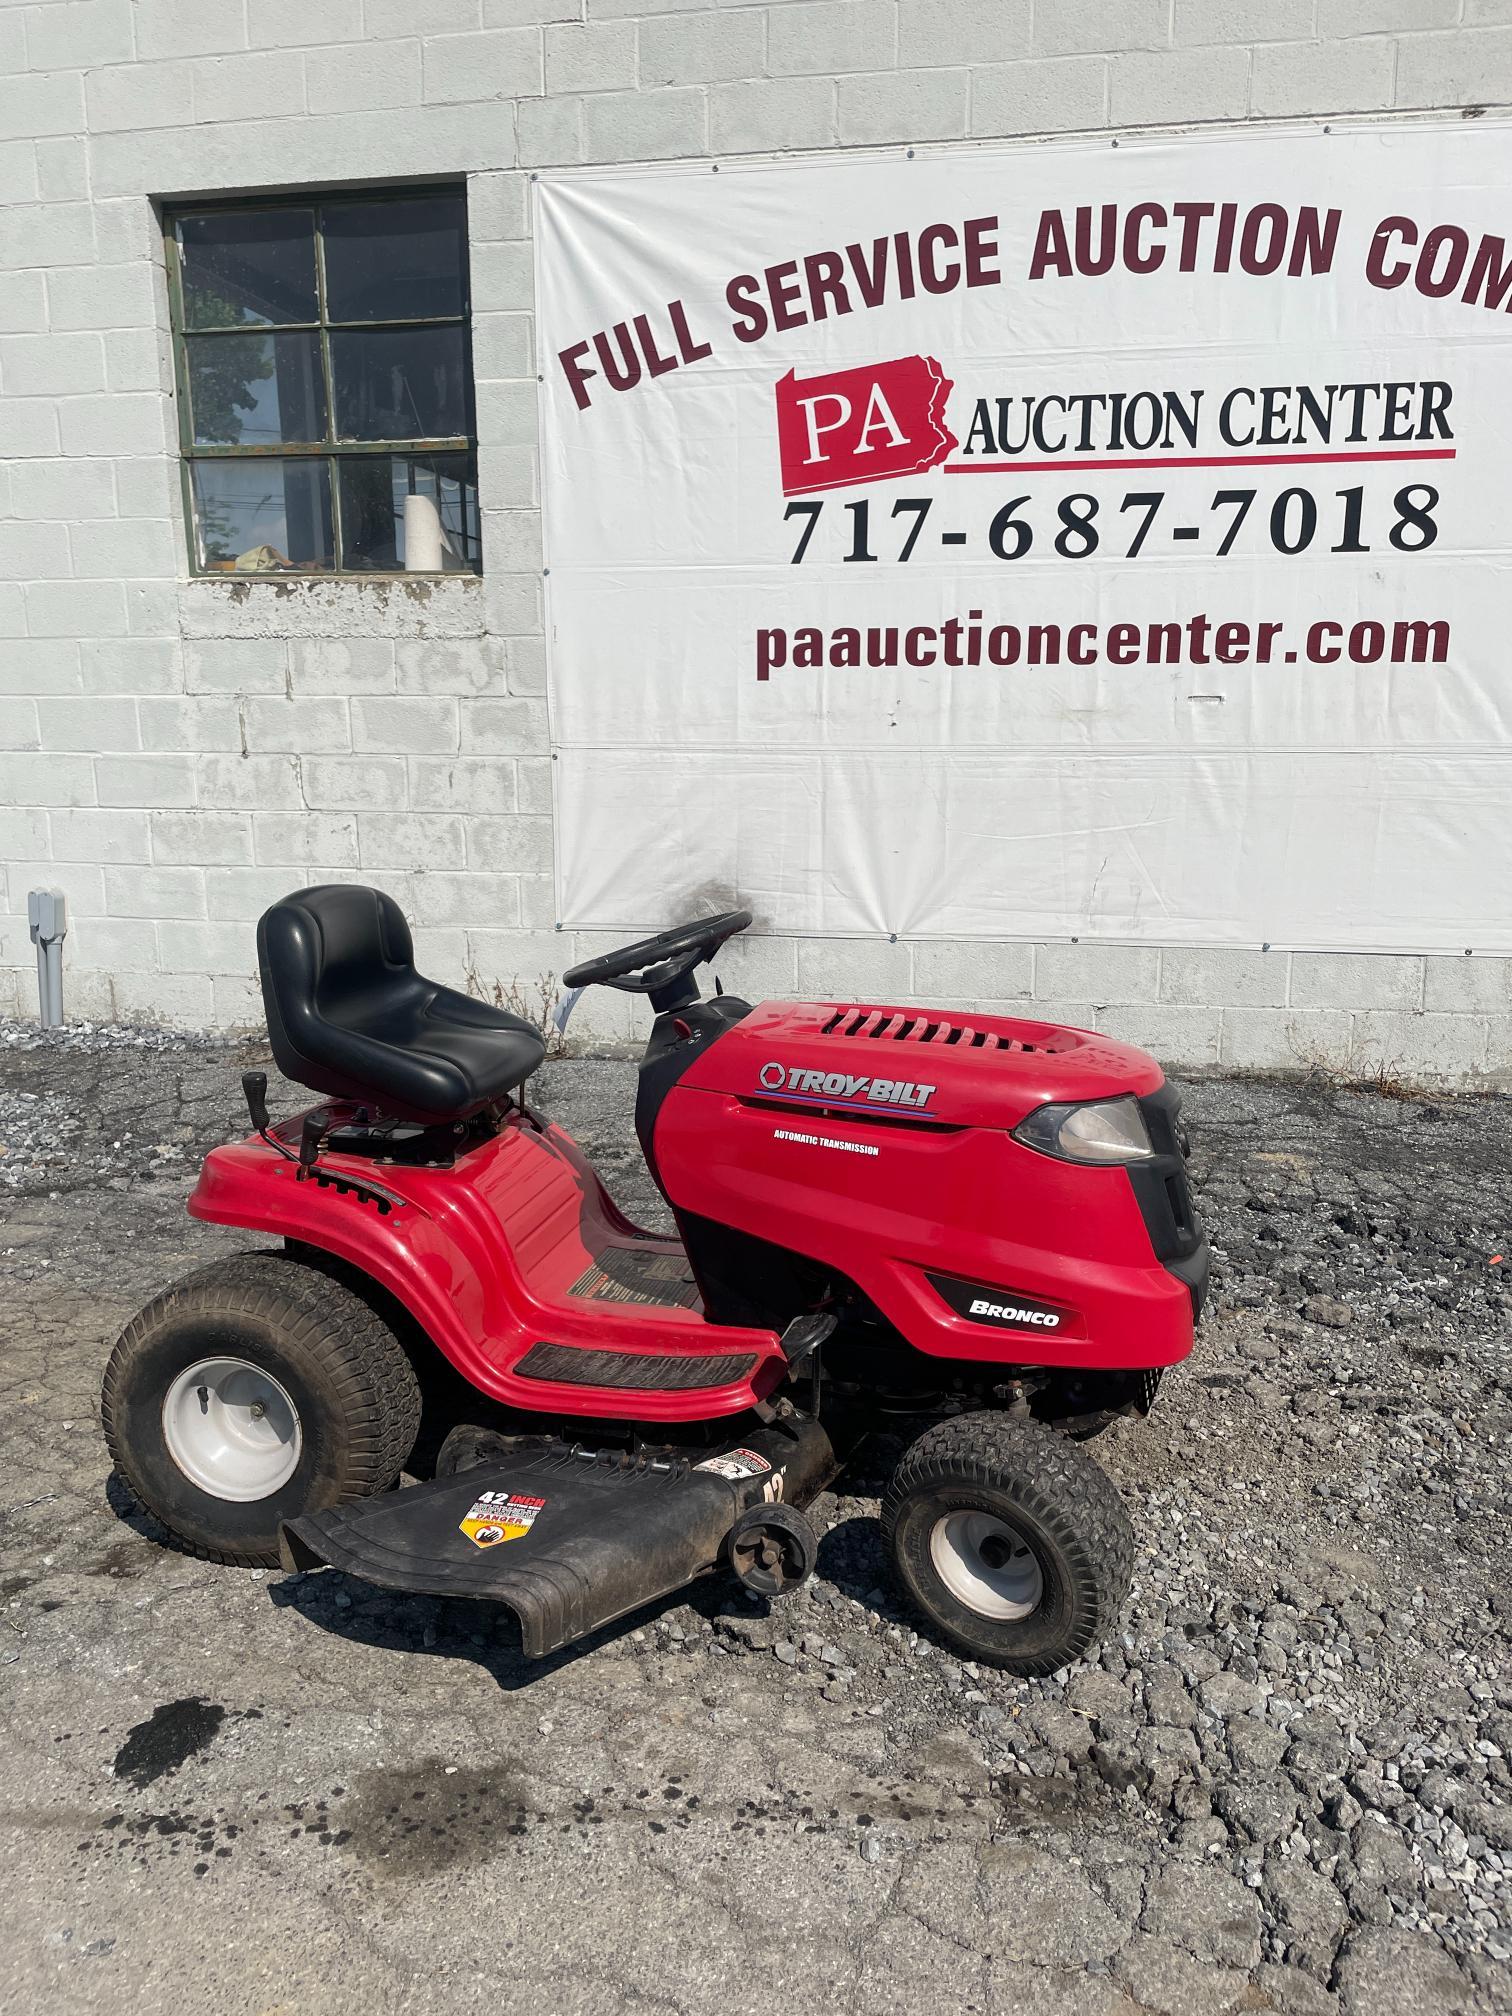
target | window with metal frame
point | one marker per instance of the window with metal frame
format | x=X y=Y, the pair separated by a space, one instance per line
x=323 y=360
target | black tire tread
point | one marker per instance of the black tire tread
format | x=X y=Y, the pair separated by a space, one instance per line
x=1055 y=1482
x=364 y=1360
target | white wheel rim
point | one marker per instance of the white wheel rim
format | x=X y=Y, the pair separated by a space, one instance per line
x=232 y=1429
x=987 y=1566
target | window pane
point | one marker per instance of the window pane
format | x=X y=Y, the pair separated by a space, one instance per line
x=241 y=266
x=409 y=513
x=399 y=384
x=251 y=391
x=264 y=514
x=395 y=262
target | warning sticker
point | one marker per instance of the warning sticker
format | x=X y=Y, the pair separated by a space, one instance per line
x=735 y=1464
x=500 y=1515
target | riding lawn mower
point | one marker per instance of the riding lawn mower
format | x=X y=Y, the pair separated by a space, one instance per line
x=972 y=1223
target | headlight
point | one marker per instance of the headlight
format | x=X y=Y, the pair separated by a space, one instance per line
x=1107 y=1130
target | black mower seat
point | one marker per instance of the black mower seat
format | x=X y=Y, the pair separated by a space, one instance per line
x=349 y=1016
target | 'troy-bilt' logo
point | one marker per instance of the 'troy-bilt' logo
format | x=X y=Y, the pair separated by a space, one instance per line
x=830 y=1086
x=869 y=424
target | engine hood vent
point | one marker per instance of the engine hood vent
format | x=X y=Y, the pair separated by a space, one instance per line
x=895 y=1025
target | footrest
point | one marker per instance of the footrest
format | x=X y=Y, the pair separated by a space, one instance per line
x=568 y=1539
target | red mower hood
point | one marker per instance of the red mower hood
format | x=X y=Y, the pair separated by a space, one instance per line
x=965 y=1070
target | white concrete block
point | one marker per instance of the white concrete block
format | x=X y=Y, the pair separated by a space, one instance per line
x=1339 y=19
x=1063 y=95
x=498 y=207
x=405 y=725
x=549 y=131
x=84 y=834
x=509 y=476
x=461 y=784
x=503 y=63
x=590 y=56
x=1223 y=977
x=506 y=414
x=1435 y=1048
x=36 y=550
x=505 y=727
x=92 y=724
x=118 y=423
x=516 y=846
x=903 y=106
x=239 y=895
x=512 y=541
x=151 y=781
x=155 y=892
x=503 y=346
x=207 y=948
x=363 y=77
x=236 y=665
x=1469 y=66
x=237 y=1002
x=1096 y=26
x=138 y=360
x=305 y=840
x=137 y=550
x=1355 y=980
x=513 y=604
x=354 y=783
x=868 y=970
x=82 y=35
x=23 y=305
x=132 y=96
x=166 y=1000
x=973 y=972
x=189 y=27
x=393 y=18
x=268 y=81
x=76 y=609
x=1468 y=986
x=19 y=181
x=196 y=725
x=252 y=783
x=467 y=665
x=110 y=946
x=28 y=427
x=491 y=902
x=823 y=38
x=1175 y=87
x=525 y=665
x=303 y=727
x=45 y=234
x=150 y=607
x=1286 y=1039
x=1194 y=21
x=772 y=117
x=67 y=489
x=33 y=106
x=285 y=24
x=521 y=13
x=533 y=783
x=1294 y=78
x=51 y=365
x=1179 y=1038
x=645 y=125
x=144 y=665
x=43 y=665
x=328 y=665
x=939 y=32
x=19 y=727
x=709 y=48
x=24 y=833
x=200 y=838
x=417 y=840
x=62 y=169
x=1102 y=974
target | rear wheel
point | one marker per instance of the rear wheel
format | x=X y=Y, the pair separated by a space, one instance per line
x=254 y=1391
x=1012 y=1542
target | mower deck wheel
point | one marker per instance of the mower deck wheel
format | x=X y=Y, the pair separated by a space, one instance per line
x=249 y=1393
x=1010 y=1540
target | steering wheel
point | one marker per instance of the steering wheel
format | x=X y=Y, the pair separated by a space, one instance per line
x=653 y=964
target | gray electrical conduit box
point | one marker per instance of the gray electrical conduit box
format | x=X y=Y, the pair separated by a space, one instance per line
x=47 y=914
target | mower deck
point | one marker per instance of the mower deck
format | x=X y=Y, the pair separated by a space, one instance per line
x=567 y=1538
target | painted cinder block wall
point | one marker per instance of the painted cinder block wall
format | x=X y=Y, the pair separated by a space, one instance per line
x=174 y=754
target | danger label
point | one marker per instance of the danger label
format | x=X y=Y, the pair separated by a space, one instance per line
x=735 y=1464
x=498 y=1516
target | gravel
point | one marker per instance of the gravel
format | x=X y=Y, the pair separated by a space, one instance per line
x=1284 y=1785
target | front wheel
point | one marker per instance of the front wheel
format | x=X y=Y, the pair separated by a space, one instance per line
x=256 y=1390
x=1011 y=1540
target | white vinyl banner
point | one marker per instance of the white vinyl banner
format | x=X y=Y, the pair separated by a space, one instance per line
x=1092 y=539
